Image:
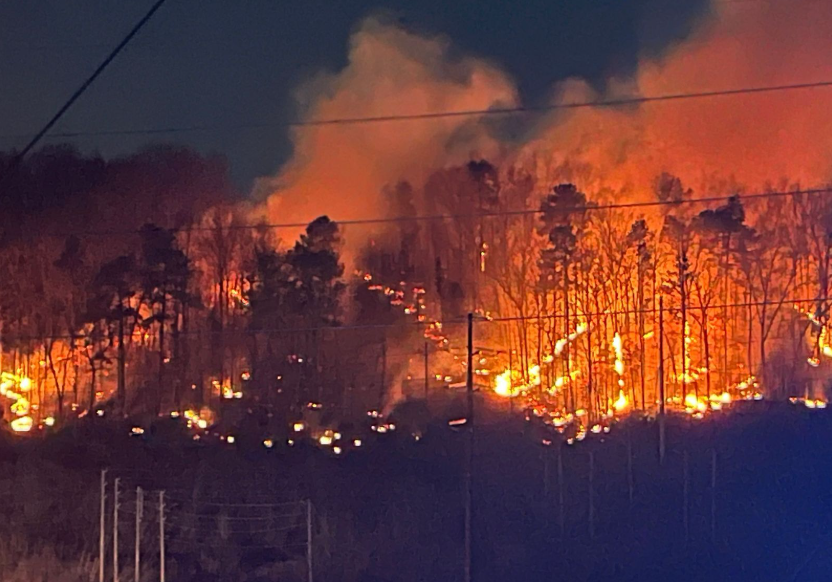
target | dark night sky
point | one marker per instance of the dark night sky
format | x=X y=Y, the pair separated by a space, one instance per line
x=224 y=62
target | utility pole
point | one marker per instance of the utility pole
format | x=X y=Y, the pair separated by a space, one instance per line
x=426 y=373
x=161 y=536
x=116 y=485
x=309 y=577
x=641 y=350
x=661 y=380
x=383 y=390
x=469 y=462
x=139 y=512
x=102 y=525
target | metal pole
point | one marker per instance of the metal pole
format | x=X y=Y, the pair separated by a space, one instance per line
x=139 y=512
x=102 y=526
x=510 y=373
x=591 y=495
x=161 y=536
x=116 y=485
x=713 y=496
x=562 y=509
x=426 y=373
x=309 y=576
x=661 y=380
x=630 y=482
x=685 y=495
x=470 y=446
x=383 y=390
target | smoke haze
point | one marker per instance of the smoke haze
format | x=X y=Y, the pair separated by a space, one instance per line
x=713 y=144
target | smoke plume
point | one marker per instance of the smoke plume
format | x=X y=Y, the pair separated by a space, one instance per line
x=340 y=170
x=713 y=144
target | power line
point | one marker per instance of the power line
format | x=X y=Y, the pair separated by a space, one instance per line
x=86 y=84
x=465 y=216
x=431 y=115
x=444 y=323
x=688 y=307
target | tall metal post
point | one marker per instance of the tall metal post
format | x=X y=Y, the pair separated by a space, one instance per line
x=161 y=536
x=661 y=381
x=591 y=495
x=469 y=463
x=116 y=484
x=630 y=480
x=139 y=514
x=685 y=496
x=426 y=374
x=713 y=496
x=309 y=576
x=102 y=526
x=383 y=391
x=561 y=500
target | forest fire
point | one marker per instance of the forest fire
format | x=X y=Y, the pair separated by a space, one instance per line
x=581 y=317
x=610 y=271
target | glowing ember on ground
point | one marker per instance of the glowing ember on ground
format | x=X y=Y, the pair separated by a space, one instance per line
x=22 y=424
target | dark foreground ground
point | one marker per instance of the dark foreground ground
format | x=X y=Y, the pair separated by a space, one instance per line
x=392 y=510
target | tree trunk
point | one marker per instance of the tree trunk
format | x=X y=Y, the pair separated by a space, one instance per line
x=642 y=366
x=707 y=347
x=763 y=340
x=566 y=354
x=161 y=377
x=121 y=388
x=92 y=385
x=726 y=254
x=59 y=387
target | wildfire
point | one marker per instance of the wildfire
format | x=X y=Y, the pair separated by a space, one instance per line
x=621 y=403
x=619 y=360
x=503 y=385
x=483 y=256
x=561 y=344
x=22 y=424
x=694 y=404
x=561 y=381
x=689 y=375
x=20 y=405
